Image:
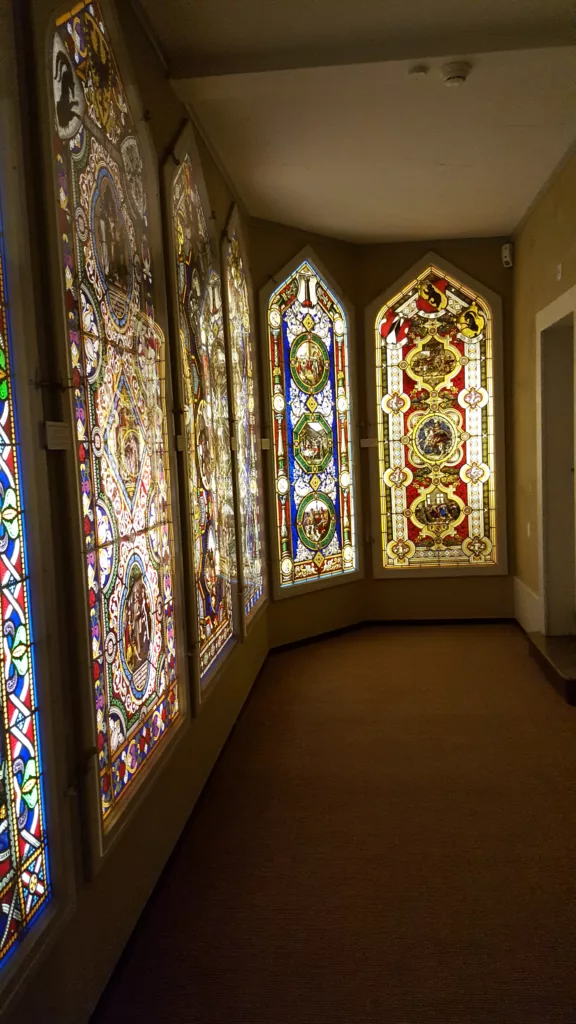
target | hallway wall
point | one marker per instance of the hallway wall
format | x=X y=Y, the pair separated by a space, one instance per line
x=546 y=240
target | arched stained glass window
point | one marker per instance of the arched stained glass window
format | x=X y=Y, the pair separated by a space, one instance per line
x=435 y=411
x=116 y=358
x=24 y=878
x=313 y=460
x=206 y=420
x=246 y=424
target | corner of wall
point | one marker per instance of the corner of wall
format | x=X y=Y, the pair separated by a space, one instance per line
x=527 y=609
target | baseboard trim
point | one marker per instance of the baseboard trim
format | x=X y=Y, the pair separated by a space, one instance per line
x=527 y=607
x=394 y=623
x=556 y=657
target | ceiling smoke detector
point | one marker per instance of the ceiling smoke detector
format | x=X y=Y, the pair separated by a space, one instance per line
x=456 y=73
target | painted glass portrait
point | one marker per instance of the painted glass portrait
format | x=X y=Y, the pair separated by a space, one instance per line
x=246 y=426
x=206 y=421
x=313 y=471
x=116 y=360
x=436 y=426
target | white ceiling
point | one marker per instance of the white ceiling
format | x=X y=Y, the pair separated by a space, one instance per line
x=365 y=152
x=222 y=36
x=310 y=109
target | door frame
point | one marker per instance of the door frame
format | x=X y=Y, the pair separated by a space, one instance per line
x=554 y=313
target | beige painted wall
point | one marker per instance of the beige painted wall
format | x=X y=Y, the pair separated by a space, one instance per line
x=547 y=239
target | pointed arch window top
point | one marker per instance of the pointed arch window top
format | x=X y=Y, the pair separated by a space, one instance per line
x=435 y=413
x=312 y=429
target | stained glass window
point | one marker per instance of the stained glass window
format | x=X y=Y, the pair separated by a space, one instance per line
x=434 y=368
x=313 y=469
x=24 y=879
x=206 y=420
x=245 y=413
x=116 y=357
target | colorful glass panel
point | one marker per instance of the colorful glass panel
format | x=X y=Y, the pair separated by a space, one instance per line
x=206 y=420
x=116 y=354
x=312 y=432
x=245 y=414
x=436 y=426
x=24 y=879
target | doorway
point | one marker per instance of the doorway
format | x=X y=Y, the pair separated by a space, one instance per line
x=558 y=507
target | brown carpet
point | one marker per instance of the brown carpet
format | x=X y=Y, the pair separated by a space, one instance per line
x=388 y=837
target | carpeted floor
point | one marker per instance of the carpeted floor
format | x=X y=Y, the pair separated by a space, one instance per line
x=388 y=838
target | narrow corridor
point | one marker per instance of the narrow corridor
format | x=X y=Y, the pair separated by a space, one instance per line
x=386 y=838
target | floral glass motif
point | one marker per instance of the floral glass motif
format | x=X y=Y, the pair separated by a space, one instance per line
x=206 y=420
x=436 y=426
x=116 y=354
x=24 y=879
x=245 y=412
x=311 y=428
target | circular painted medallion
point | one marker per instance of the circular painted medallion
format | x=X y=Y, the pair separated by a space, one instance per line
x=198 y=554
x=136 y=619
x=112 y=247
x=309 y=363
x=316 y=521
x=110 y=646
x=134 y=175
x=154 y=532
x=211 y=567
x=203 y=445
x=437 y=511
x=116 y=729
x=313 y=443
x=433 y=362
x=68 y=93
x=435 y=438
x=194 y=375
x=107 y=550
